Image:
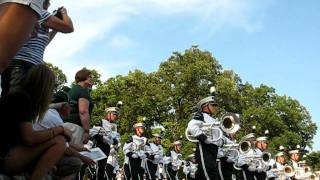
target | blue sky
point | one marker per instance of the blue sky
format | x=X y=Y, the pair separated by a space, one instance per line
x=276 y=43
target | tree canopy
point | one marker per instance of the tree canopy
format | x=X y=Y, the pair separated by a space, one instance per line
x=168 y=96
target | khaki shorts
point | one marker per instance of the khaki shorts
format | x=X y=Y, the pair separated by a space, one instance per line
x=77 y=132
x=36 y=5
x=66 y=166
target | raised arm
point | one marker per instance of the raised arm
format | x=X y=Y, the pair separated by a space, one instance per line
x=63 y=25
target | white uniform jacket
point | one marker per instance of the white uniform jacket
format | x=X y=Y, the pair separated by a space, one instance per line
x=136 y=145
x=195 y=127
x=156 y=151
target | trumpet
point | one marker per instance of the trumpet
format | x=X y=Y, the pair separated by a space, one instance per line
x=266 y=157
x=307 y=171
x=243 y=147
x=313 y=176
x=288 y=171
x=260 y=161
x=229 y=123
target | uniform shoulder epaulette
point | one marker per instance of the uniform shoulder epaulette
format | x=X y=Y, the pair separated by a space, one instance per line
x=168 y=153
x=198 y=116
x=130 y=139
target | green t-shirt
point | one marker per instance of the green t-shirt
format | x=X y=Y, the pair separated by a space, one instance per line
x=75 y=93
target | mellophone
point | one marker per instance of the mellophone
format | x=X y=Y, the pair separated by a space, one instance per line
x=229 y=124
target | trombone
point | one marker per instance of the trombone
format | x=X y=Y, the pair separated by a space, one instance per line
x=229 y=124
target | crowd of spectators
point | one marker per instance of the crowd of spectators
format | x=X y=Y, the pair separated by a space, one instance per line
x=42 y=132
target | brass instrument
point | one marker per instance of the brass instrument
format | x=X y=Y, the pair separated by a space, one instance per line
x=288 y=171
x=313 y=176
x=243 y=147
x=230 y=123
x=261 y=161
x=307 y=171
x=177 y=162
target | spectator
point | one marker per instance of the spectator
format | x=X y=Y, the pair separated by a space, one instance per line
x=14 y=33
x=21 y=146
x=71 y=163
x=79 y=120
x=32 y=51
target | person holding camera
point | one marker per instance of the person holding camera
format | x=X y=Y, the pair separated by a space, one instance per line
x=13 y=33
x=31 y=53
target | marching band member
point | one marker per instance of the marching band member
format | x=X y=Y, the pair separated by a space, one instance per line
x=206 y=151
x=155 y=158
x=190 y=167
x=173 y=161
x=135 y=154
x=261 y=147
x=278 y=168
x=226 y=159
x=294 y=160
x=105 y=135
x=112 y=162
x=245 y=160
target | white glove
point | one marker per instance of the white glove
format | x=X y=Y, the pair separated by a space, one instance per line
x=156 y=156
x=252 y=168
x=219 y=143
x=259 y=170
x=134 y=155
x=143 y=156
x=207 y=141
x=231 y=159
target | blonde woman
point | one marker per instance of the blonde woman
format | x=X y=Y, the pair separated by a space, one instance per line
x=22 y=148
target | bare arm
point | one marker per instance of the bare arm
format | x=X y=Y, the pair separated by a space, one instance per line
x=31 y=137
x=84 y=113
x=64 y=25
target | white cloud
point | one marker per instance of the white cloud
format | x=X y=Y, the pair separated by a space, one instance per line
x=96 y=19
x=120 y=41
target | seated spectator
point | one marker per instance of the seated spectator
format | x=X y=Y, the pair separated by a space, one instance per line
x=20 y=146
x=71 y=163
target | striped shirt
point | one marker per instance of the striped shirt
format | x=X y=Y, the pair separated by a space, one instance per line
x=32 y=51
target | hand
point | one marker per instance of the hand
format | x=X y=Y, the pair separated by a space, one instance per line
x=63 y=10
x=85 y=138
x=79 y=147
x=206 y=141
x=143 y=156
x=88 y=161
x=134 y=155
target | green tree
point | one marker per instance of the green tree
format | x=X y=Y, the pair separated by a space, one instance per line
x=313 y=160
x=61 y=78
x=168 y=96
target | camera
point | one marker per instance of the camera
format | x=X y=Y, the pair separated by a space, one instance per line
x=57 y=13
